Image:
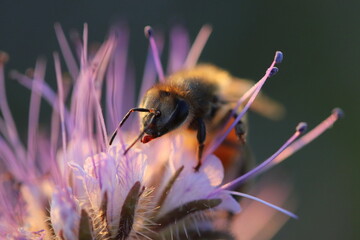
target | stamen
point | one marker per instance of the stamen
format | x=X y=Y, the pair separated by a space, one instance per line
x=279 y=56
x=66 y=51
x=60 y=100
x=13 y=163
x=12 y=133
x=277 y=59
x=47 y=93
x=252 y=93
x=198 y=46
x=337 y=113
x=34 y=109
x=100 y=121
x=299 y=129
x=76 y=43
x=286 y=212
x=149 y=34
x=149 y=77
x=179 y=48
x=116 y=79
x=85 y=41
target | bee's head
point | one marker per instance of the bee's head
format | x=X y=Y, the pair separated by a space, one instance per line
x=170 y=113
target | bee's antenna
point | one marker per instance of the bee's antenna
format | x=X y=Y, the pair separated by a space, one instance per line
x=125 y=118
x=133 y=143
x=149 y=34
x=154 y=114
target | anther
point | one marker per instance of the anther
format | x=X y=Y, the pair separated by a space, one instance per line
x=278 y=57
x=148 y=31
x=301 y=127
x=273 y=71
x=338 y=112
x=159 y=69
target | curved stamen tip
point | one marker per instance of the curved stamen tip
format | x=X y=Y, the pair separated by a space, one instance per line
x=279 y=57
x=273 y=71
x=338 y=112
x=301 y=127
x=148 y=31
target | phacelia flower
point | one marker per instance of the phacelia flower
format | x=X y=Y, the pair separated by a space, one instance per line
x=70 y=183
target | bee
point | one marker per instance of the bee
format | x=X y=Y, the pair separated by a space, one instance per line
x=198 y=103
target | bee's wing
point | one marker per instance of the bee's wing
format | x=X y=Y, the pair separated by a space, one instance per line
x=262 y=104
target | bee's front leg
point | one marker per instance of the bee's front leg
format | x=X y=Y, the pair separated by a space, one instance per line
x=240 y=130
x=201 y=135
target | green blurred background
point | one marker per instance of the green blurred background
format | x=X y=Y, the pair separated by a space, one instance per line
x=320 y=41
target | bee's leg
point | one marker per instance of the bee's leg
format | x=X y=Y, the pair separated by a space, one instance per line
x=201 y=135
x=240 y=130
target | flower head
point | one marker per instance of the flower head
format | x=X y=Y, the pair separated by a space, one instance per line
x=72 y=184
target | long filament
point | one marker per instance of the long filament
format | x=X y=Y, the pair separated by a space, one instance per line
x=34 y=109
x=66 y=51
x=300 y=129
x=198 y=46
x=253 y=92
x=12 y=135
x=84 y=58
x=46 y=92
x=336 y=114
x=149 y=34
x=286 y=212
x=60 y=99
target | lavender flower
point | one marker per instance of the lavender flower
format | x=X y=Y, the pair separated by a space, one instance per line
x=71 y=184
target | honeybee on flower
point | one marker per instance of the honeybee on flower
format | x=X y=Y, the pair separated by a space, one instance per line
x=71 y=184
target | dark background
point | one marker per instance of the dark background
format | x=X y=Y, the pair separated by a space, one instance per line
x=320 y=41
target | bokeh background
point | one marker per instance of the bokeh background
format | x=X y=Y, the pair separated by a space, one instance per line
x=320 y=40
